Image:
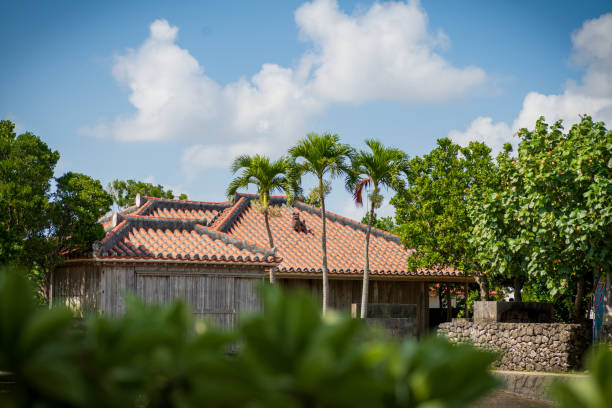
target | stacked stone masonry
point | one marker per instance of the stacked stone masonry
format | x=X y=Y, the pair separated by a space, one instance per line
x=552 y=347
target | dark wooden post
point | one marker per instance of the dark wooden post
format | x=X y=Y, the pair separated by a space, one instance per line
x=466 y=294
x=607 y=319
x=449 y=306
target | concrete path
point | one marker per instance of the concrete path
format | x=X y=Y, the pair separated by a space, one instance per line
x=501 y=399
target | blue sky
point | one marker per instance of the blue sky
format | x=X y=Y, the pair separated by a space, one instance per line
x=169 y=92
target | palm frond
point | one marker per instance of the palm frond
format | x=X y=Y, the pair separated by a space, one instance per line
x=322 y=154
x=243 y=161
x=358 y=193
x=235 y=185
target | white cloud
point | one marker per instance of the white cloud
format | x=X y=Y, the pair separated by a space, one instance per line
x=385 y=53
x=175 y=99
x=567 y=106
x=593 y=96
x=201 y=157
x=482 y=129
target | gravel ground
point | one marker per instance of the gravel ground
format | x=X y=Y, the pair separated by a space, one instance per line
x=501 y=399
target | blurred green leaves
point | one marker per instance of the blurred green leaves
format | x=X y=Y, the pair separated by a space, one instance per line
x=593 y=391
x=157 y=356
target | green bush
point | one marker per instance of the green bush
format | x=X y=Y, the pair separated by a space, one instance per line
x=157 y=356
x=593 y=391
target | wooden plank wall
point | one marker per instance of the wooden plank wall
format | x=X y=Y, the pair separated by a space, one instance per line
x=77 y=287
x=210 y=292
x=343 y=293
x=115 y=282
x=216 y=294
x=211 y=297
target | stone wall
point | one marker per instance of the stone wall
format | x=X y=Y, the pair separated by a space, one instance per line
x=553 y=347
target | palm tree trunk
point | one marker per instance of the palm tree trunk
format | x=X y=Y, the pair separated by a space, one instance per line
x=366 y=268
x=270 y=240
x=324 y=247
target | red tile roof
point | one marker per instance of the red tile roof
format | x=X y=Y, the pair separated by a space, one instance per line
x=222 y=232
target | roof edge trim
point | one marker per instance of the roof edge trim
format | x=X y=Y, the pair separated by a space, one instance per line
x=233 y=241
x=348 y=222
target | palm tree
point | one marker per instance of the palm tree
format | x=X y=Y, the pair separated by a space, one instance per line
x=268 y=177
x=379 y=168
x=322 y=155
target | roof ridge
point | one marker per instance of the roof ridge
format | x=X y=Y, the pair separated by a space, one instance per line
x=175 y=200
x=165 y=203
x=114 y=236
x=240 y=244
x=273 y=199
x=228 y=219
x=108 y=217
x=330 y=216
x=143 y=207
x=348 y=222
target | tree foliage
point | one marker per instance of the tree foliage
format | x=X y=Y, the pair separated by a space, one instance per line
x=550 y=213
x=314 y=195
x=321 y=156
x=382 y=223
x=380 y=167
x=157 y=356
x=79 y=201
x=26 y=174
x=493 y=232
x=35 y=221
x=124 y=192
x=267 y=176
x=431 y=212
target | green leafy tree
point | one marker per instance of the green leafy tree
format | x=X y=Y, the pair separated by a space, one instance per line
x=267 y=176
x=26 y=173
x=124 y=191
x=431 y=212
x=557 y=206
x=382 y=223
x=321 y=156
x=35 y=224
x=494 y=231
x=380 y=167
x=79 y=201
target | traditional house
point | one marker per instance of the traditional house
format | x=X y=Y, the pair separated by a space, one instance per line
x=214 y=254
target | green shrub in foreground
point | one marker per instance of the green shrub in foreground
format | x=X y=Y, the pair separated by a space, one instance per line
x=155 y=356
x=593 y=391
